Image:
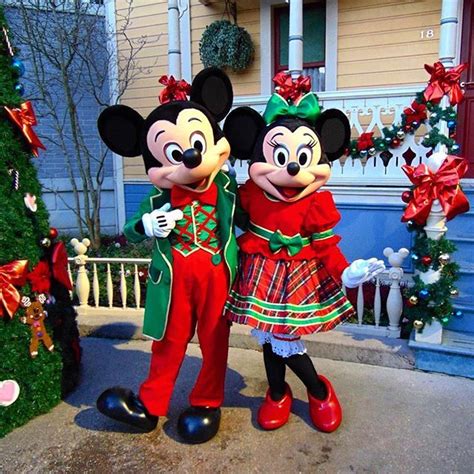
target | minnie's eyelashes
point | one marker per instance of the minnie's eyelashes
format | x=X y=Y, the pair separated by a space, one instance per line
x=312 y=143
x=273 y=143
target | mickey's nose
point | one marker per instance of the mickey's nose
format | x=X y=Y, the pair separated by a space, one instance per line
x=192 y=158
x=293 y=168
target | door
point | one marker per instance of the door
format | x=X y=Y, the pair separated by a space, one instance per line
x=465 y=131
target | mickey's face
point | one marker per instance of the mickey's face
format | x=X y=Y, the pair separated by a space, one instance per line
x=292 y=167
x=186 y=152
x=180 y=141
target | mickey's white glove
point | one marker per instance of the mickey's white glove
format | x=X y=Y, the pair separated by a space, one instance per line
x=360 y=271
x=160 y=222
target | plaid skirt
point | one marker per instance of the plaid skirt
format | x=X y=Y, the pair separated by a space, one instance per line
x=286 y=297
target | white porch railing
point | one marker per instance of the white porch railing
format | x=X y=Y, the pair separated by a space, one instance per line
x=367 y=110
x=100 y=273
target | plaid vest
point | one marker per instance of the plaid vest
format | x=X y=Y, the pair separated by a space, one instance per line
x=197 y=229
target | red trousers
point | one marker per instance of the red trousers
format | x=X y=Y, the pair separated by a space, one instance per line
x=199 y=292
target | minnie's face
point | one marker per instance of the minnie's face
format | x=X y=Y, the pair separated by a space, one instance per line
x=292 y=168
x=186 y=152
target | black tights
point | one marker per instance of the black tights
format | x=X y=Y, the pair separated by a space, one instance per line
x=300 y=364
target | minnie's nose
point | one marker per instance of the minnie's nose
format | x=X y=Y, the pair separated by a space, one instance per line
x=192 y=158
x=293 y=168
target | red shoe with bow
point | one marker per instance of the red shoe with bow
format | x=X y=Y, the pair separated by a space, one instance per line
x=273 y=415
x=325 y=414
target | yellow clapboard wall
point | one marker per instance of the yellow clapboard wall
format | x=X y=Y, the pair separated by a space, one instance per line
x=386 y=43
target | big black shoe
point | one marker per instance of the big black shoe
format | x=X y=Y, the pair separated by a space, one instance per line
x=121 y=404
x=199 y=424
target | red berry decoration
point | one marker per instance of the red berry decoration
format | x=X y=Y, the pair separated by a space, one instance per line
x=426 y=260
x=53 y=233
x=406 y=196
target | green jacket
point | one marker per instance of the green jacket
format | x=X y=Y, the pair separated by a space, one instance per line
x=160 y=275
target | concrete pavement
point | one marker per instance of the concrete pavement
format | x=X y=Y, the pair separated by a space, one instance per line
x=394 y=421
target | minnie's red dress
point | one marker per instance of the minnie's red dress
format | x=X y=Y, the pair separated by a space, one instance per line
x=289 y=281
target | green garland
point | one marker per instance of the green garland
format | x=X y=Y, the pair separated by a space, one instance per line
x=426 y=302
x=224 y=44
x=393 y=136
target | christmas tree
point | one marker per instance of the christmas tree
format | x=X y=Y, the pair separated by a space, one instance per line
x=39 y=360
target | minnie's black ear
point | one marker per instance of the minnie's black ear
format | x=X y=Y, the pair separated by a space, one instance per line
x=242 y=128
x=334 y=131
x=212 y=89
x=119 y=127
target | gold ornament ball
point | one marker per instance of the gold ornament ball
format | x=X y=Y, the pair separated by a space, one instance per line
x=418 y=324
x=444 y=258
x=45 y=242
x=413 y=300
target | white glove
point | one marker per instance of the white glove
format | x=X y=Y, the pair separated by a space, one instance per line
x=360 y=271
x=160 y=222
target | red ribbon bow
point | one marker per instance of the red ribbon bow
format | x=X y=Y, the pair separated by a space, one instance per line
x=444 y=82
x=442 y=185
x=59 y=264
x=415 y=113
x=365 y=141
x=25 y=119
x=174 y=90
x=11 y=275
x=291 y=89
x=40 y=278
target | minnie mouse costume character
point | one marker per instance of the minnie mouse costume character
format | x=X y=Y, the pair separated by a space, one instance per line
x=289 y=280
x=195 y=254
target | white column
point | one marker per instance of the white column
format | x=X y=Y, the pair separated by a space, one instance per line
x=295 y=45
x=174 y=52
x=448 y=32
x=447 y=49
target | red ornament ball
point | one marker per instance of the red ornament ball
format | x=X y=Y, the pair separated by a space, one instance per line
x=396 y=142
x=53 y=233
x=426 y=260
x=406 y=196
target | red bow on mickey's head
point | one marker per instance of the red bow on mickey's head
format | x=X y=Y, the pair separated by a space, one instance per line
x=291 y=89
x=25 y=119
x=415 y=113
x=444 y=82
x=442 y=185
x=11 y=275
x=174 y=90
x=365 y=141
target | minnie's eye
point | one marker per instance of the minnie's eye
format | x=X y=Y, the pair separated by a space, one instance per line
x=281 y=156
x=174 y=153
x=305 y=156
x=198 y=142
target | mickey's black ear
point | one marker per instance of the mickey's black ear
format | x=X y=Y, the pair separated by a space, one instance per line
x=119 y=127
x=212 y=89
x=242 y=128
x=334 y=131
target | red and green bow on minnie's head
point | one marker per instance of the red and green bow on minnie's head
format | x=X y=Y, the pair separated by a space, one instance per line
x=174 y=90
x=293 y=99
x=444 y=82
x=442 y=185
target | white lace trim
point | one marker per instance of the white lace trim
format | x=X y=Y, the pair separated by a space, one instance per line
x=279 y=346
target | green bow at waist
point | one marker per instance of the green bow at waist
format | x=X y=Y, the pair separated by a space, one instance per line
x=294 y=244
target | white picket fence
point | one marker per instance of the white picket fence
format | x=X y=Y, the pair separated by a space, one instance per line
x=86 y=276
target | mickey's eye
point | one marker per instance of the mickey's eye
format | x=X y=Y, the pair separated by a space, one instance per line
x=305 y=156
x=281 y=156
x=198 y=142
x=174 y=153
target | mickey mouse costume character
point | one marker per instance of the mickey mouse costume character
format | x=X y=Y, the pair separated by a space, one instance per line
x=195 y=257
x=289 y=281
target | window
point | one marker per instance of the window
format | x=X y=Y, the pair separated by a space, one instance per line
x=314 y=42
